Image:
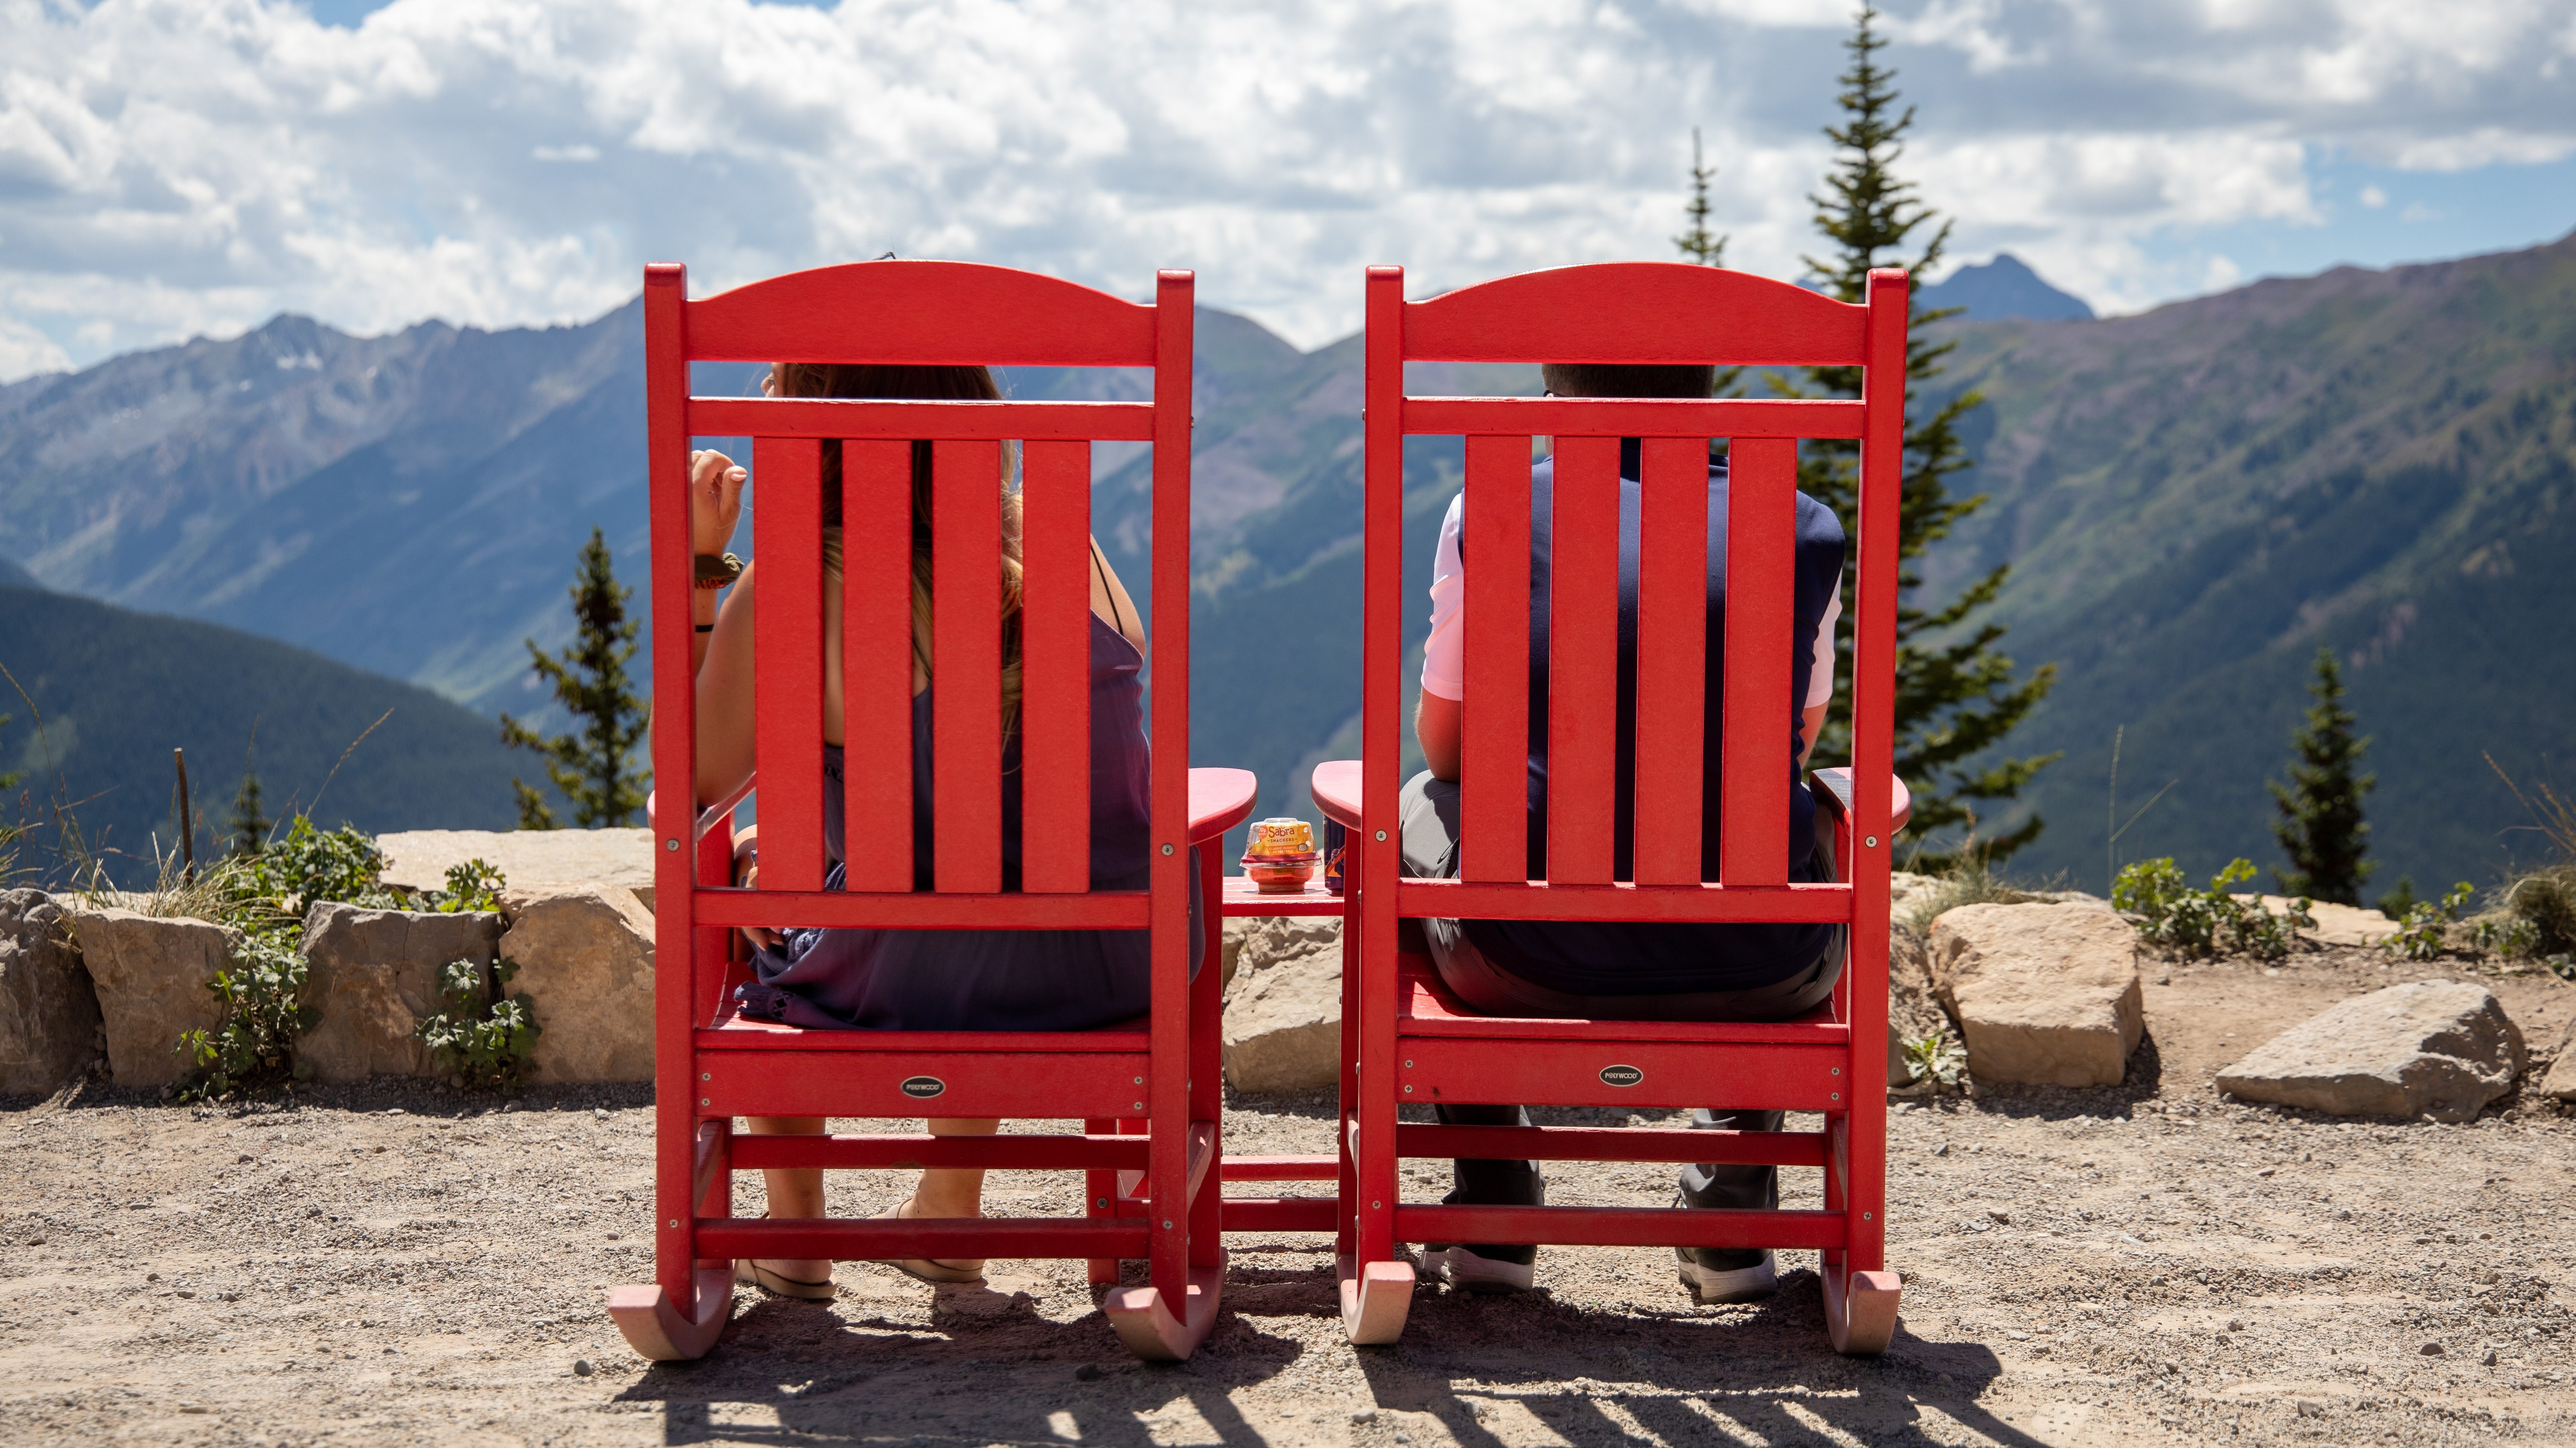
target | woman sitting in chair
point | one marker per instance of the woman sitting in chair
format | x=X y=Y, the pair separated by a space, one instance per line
x=921 y=980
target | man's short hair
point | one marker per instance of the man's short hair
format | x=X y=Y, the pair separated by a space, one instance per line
x=1627 y=379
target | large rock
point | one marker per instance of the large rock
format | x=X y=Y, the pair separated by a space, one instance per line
x=527 y=859
x=2561 y=1080
x=48 y=1011
x=2043 y=993
x=585 y=956
x=1283 y=1010
x=2435 y=1048
x=2336 y=924
x=152 y=974
x=374 y=978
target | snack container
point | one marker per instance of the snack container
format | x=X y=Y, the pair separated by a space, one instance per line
x=1279 y=857
x=1335 y=840
x=1280 y=874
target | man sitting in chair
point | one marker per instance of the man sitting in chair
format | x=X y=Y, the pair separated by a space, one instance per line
x=1605 y=970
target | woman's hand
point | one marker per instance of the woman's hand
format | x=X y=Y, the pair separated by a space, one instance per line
x=715 y=500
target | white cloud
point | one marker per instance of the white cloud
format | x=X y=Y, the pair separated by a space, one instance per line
x=178 y=166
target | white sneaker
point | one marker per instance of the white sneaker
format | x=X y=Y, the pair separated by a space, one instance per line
x=1470 y=1272
x=1710 y=1286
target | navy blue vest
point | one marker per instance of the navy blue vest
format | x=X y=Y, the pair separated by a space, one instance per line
x=1613 y=958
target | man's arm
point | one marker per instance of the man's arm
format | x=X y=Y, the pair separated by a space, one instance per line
x=1435 y=724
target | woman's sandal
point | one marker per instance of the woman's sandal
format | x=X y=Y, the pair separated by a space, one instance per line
x=758 y=1274
x=924 y=1268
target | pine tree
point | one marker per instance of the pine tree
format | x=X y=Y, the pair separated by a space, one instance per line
x=249 y=825
x=1956 y=696
x=595 y=766
x=1697 y=243
x=2321 y=828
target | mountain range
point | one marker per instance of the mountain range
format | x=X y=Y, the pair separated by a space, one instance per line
x=2193 y=499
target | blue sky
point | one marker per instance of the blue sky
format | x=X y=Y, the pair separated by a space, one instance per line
x=171 y=168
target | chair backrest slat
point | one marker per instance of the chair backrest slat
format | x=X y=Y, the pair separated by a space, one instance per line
x=1055 y=677
x=877 y=664
x=1583 y=663
x=787 y=655
x=1761 y=598
x=966 y=664
x=1493 y=805
x=1672 y=641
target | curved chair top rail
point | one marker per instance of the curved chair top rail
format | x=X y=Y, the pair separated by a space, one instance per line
x=1638 y=312
x=937 y=313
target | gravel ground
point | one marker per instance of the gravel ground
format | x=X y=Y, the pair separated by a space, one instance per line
x=2151 y=1264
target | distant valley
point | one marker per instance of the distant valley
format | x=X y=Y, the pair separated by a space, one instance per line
x=2193 y=499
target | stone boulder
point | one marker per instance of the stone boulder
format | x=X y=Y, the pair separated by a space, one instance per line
x=2336 y=924
x=2434 y=1048
x=2560 y=1083
x=2043 y=993
x=1283 y=1008
x=585 y=956
x=527 y=859
x=152 y=974
x=49 y=1018
x=374 y=978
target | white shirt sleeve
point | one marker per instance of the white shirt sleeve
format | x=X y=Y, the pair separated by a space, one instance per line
x=1444 y=654
x=1820 y=676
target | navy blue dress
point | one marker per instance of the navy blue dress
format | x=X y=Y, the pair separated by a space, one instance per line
x=988 y=980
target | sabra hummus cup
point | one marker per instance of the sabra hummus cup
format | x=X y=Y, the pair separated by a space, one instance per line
x=1280 y=856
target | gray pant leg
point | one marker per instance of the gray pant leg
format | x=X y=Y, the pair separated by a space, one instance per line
x=1711 y=1185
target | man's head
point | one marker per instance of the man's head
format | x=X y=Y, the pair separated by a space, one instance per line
x=1624 y=379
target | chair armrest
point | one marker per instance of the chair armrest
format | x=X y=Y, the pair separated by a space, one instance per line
x=1336 y=787
x=1833 y=790
x=1220 y=799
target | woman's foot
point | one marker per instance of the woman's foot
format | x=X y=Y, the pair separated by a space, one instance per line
x=788 y=1277
x=925 y=1268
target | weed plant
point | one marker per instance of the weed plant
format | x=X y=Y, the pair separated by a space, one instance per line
x=2169 y=912
x=481 y=1038
x=255 y=1043
x=2426 y=931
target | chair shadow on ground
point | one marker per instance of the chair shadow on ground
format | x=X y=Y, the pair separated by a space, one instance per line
x=1489 y=1370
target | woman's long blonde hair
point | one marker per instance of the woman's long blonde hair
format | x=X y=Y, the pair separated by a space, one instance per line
x=969 y=384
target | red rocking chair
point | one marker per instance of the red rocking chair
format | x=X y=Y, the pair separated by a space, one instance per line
x=1147 y=1092
x=1410 y=1040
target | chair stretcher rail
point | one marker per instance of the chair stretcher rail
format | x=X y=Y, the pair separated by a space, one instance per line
x=1589 y=1143
x=1009 y=1153
x=1620 y=1227
x=865 y=1241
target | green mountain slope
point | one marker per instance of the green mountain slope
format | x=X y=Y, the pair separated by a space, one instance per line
x=2194 y=499
x=115 y=691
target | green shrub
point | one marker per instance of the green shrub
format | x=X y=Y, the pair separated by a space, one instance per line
x=254 y=1046
x=2546 y=901
x=1934 y=1059
x=2168 y=911
x=482 y=1039
x=474 y=885
x=2503 y=935
x=312 y=865
x=2427 y=927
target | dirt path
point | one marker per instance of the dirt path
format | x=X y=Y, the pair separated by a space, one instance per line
x=2145 y=1265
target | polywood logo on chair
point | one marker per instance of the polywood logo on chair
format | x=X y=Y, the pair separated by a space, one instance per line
x=922 y=1088
x=1621 y=1075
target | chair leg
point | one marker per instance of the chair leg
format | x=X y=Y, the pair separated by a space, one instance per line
x=663 y=1331
x=1149 y=1327
x=1860 y=1308
x=1376 y=1286
x=1100 y=1199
